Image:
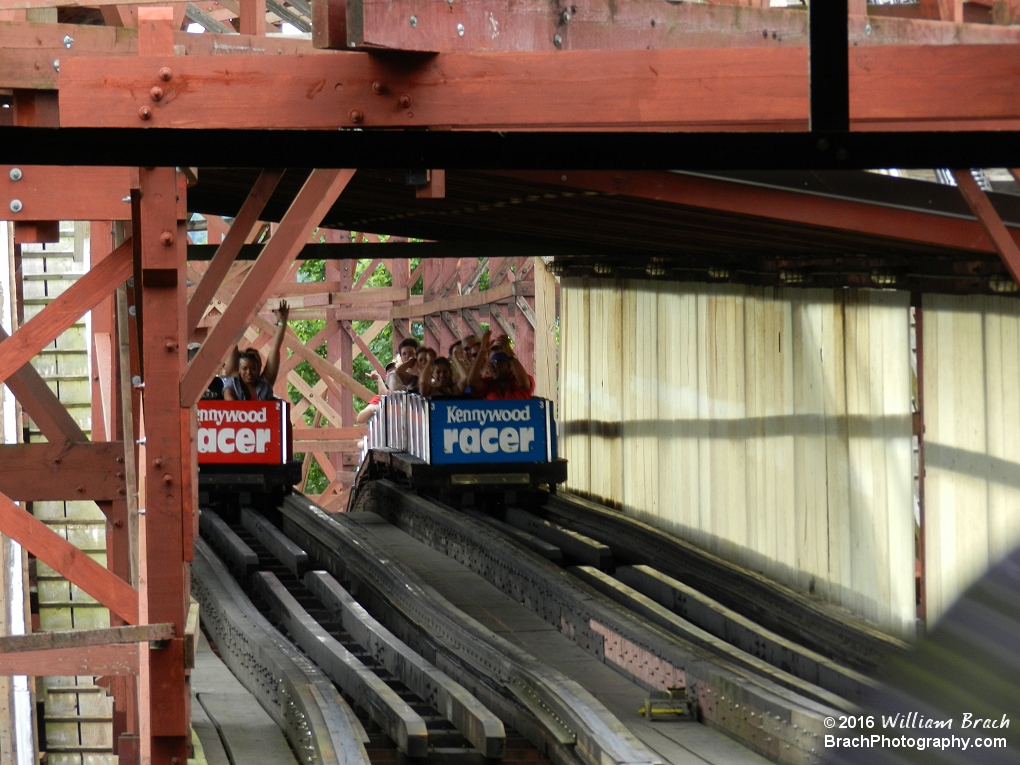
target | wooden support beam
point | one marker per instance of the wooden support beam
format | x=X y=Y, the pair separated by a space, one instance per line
x=790 y=206
x=891 y=87
x=68 y=561
x=64 y=639
x=105 y=660
x=314 y=200
x=167 y=463
x=63 y=471
x=460 y=302
x=65 y=193
x=666 y=88
x=65 y=309
x=990 y=221
x=231 y=245
x=42 y=404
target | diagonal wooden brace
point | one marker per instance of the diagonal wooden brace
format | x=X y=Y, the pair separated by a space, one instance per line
x=84 y=295
x=67 y=560
x=990 y=221
x=314 y=200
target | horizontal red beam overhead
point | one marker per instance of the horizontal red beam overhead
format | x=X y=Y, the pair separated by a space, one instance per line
x=508 y=25
x=66 y=193
x=63 y=471
x=778 y=204
x=94 y=660
x=67 y=560
x=82 y=296
x=891 y=87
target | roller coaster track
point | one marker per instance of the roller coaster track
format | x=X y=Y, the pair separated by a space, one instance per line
x=758 y=684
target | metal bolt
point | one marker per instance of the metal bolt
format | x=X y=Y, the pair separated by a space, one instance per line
x=140 y=442
x=141 y=511
x=165 y=74
x=405 y=101
x=414 y=21
x=132 y=311
x=158 y=462
x=56 y=65
x=15 y=173
x=156 y=94
x=136 y=380
x=356 y=115
x=80 y=488
x=557 y=41
x=565 y=16
x=16 y=206
x=166 y=238
x=131 y=279
x=167 y=479
x=170 y=346
x=118 y=524
x=867 y=29
x=68 y=41
x=145 y=113
x=460 y=30
x=378 y=88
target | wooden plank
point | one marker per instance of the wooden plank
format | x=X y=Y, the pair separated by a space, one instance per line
x=312 y=434
x=68 y=560
x=94 y=660
x=317 y=195
x=63 y=471
x=53 y=641
x=990 y=221
x=703 y=89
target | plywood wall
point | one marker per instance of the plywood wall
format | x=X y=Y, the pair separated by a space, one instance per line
x=972 y=439
x=772 y=427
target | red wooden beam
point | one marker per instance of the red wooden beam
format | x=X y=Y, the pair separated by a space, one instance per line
x=990 y=221
x=102 y=660
x=65 y=309
x=167 y=461
x=790 y=206
x=66 y=193
x=703 y=89
x=891 y=87
x=63 y=471
x=68 y=561
x=318 y=194
x=226 y=253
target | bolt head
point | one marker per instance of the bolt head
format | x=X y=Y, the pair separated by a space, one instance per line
x=68 y=41
x=131 y=312
x=165 y=74
x=405 y=101
x=166 y=238
x=557 y=41
x=378 y=88
x=156 y=94
x=56 y=65
x=16 y=206
x=460 y=30
x=565 y=16
x=356 y=116
x=414 y=21
x=145 y=113
x=15 y=174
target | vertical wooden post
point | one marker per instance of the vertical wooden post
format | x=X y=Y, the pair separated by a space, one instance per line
x=340 y=346
x=401 y=271
x=162 y=235
x=253 y=17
